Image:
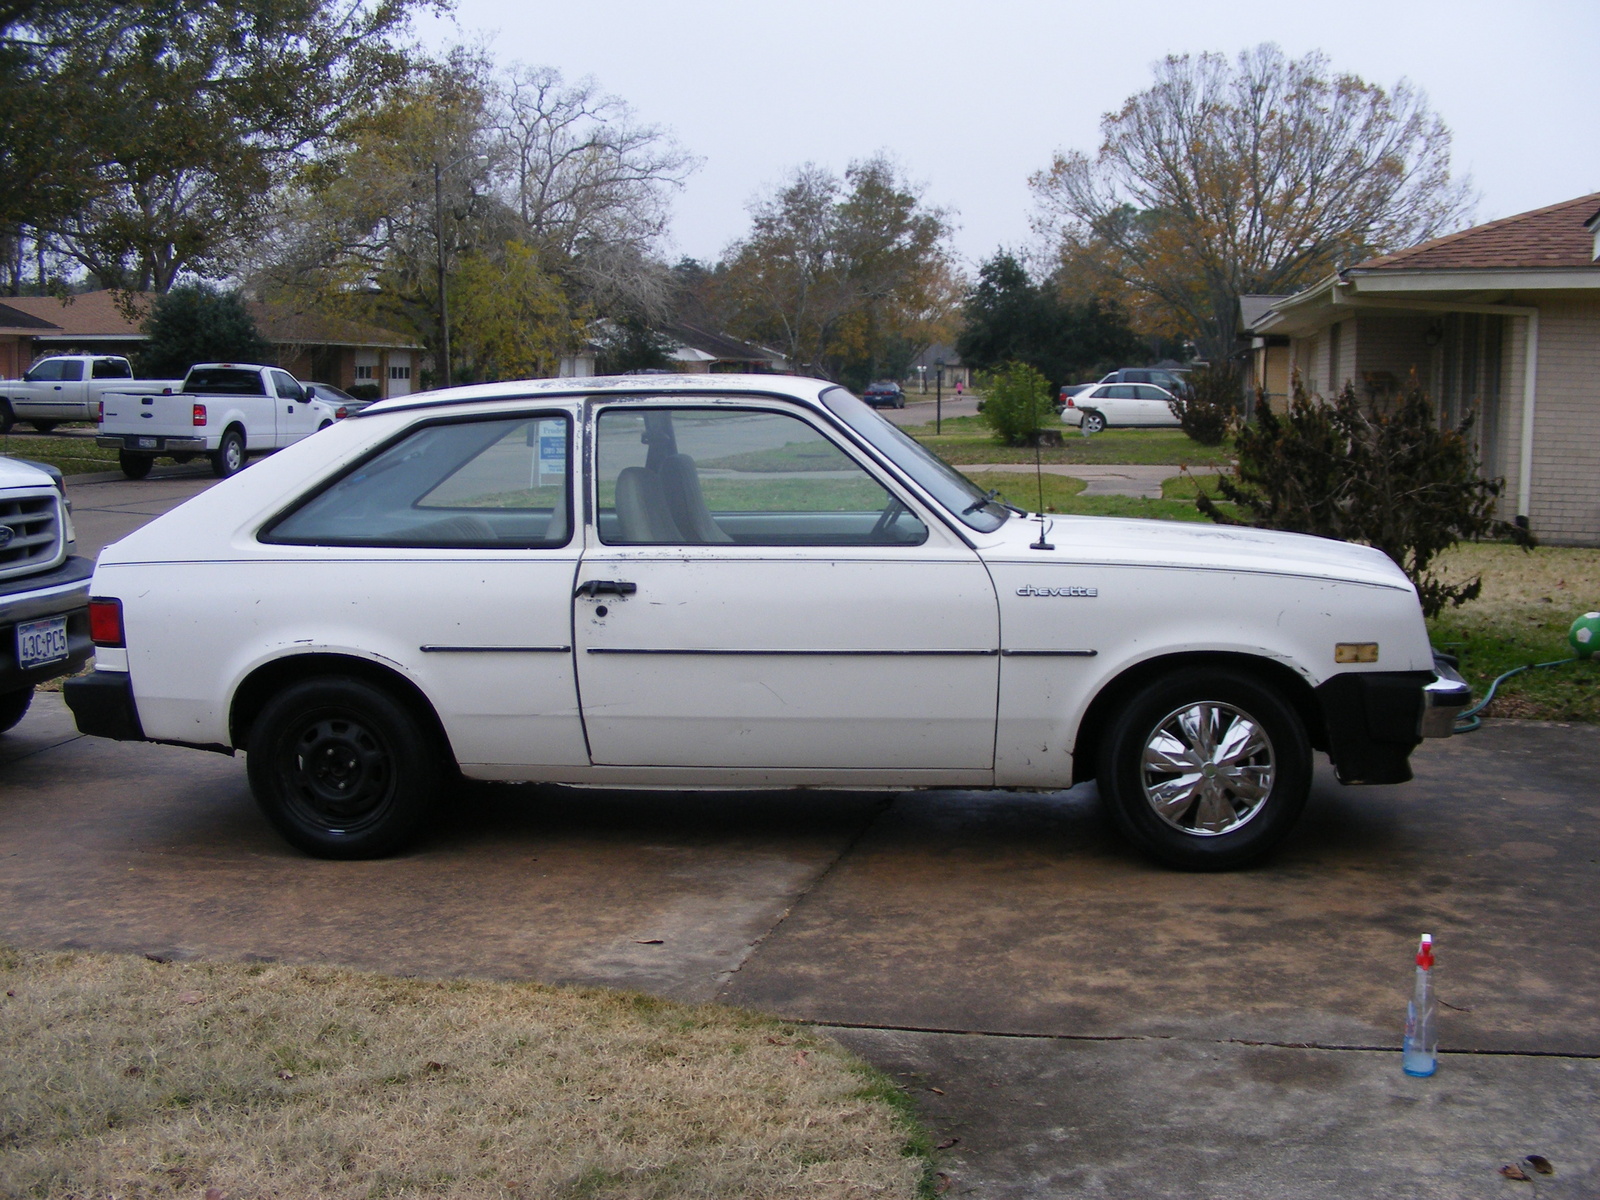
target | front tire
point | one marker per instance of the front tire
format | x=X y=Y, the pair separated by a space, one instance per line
x=135 y=466
x=7 y=417
x=342 y=769
x=13 y=707
x=1206 y=769
x=1092 y=422
x=228 y=458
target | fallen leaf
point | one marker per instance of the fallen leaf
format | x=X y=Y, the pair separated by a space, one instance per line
x=799 y=1058
x=1540 y=1164
x=1512 y=1171
x=937 y=1091
x=942 y=1183
x=158 y=958
x=190 y=997
x=434 y=1066
x=214 y=1194
x=134 y=1072
x=947 y=1143
x=649 y=941
x=285 y=1074
x=778 y=1041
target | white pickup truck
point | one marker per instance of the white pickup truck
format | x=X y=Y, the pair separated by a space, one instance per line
x=226 y=411
x=67 y=387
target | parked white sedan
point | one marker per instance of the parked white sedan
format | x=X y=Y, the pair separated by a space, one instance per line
x=735 y=581
x=1093 y=409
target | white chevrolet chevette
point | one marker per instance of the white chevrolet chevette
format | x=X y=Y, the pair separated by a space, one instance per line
x=736 y=581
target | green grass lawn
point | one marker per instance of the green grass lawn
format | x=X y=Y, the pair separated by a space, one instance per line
x=968 y=440
x=1529 y=600
x=74 y=455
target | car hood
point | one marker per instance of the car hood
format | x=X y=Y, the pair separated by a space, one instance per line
x=14 y=474
x=1192 y=546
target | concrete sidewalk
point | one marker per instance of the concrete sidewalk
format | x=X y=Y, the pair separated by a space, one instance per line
x=1104 y=479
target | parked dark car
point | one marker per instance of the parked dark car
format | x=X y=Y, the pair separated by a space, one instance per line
x=1176 y=382
x=884 y=392
x=1069 y=390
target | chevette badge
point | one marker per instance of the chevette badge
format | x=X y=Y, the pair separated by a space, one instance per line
x=1073 y=590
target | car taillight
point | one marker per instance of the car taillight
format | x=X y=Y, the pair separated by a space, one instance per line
x=99 y=410
x=199 y=414
x=341 y=412
x=1071 y=403
x=105 y=622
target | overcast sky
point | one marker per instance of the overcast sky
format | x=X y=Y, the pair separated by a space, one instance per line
x=971 y=98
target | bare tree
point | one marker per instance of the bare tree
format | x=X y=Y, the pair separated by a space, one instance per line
x=1257 y=175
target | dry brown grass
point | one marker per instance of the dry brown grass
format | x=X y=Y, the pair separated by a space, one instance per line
x=129 y=1078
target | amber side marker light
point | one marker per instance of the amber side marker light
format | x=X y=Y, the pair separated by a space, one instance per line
x=1355 y=652
x=105 y=621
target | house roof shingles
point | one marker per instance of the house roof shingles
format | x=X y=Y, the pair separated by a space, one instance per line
x=1553 y=237
x=15 y=319
x=86 y=315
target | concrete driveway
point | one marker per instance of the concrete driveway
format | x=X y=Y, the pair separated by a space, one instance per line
x=1071 y=1020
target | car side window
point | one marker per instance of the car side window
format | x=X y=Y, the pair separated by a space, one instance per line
x=483 y=484
x=1120 y=391
x=724 y=476
x=110 y=368
x=286 y=386
x=1146 y=392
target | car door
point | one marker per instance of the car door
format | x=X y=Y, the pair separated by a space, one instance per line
x=59 y=390
x=450 y=554
x=1115 y=403
x=1148 y=406
x=295 y=416
x=751 y=597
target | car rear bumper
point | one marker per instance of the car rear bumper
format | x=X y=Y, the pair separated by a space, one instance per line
x=102 y=703
x=136 y=443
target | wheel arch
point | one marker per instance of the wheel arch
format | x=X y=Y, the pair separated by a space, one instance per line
x=1102 y=709
x=266 y=680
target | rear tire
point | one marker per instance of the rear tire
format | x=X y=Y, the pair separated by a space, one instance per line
x=1092 y=422
x=135 y=466
x=44 y=426
x=1206 y=769
x=13 y=707
x=342 y=769
x=228 y=458
x=7 y=417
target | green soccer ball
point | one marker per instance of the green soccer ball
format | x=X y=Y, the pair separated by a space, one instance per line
x=1585 y=634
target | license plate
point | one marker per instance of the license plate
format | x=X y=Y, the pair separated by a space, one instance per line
x=143 y=443
x=40 y=642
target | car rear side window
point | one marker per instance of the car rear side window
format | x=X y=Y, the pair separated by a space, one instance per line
x=474 y=484
x=225 y=381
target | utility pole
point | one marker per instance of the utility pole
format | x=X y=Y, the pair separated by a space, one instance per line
x=938 y=397
x=444 y=302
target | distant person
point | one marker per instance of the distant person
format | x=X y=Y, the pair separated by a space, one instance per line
x=958 y=387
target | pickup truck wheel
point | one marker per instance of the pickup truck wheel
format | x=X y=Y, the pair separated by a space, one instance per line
x=341 y=769
x=44 y=426
x=13 y=707
x=135 y=466
x=7 y=417
x=1205 y=769
x=1092 y=421
x=228 y=458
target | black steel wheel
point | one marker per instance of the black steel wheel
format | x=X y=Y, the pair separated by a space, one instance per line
x=1091 y=422
x=228 y=458
x=135 y=466
x=1206 y=769
x=342 y=769
x=13 y=707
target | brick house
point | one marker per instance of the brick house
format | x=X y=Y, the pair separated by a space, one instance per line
x=1504 y=317
x=308 y=346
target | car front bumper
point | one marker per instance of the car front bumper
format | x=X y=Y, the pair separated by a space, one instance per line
x=1373 y=720
x=62 y=592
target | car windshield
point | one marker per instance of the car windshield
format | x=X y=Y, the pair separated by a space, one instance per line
x=965 y=500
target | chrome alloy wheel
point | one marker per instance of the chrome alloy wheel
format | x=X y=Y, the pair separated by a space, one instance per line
x=1207 y=768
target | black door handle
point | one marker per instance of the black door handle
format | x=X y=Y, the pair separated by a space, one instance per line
x=605 y=587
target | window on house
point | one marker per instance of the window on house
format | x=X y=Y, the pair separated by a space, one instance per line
x=399 y=372
x=364 y=372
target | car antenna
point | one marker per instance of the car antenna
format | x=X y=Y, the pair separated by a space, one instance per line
x=1038 y=472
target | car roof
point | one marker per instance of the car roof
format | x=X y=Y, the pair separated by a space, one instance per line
x=790 y=387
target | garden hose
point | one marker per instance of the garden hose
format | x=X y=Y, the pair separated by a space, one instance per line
x=1583 y=637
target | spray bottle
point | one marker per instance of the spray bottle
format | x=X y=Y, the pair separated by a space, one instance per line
x=1421 y=1054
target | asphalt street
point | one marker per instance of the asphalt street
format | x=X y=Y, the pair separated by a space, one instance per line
x=1071 y=1020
